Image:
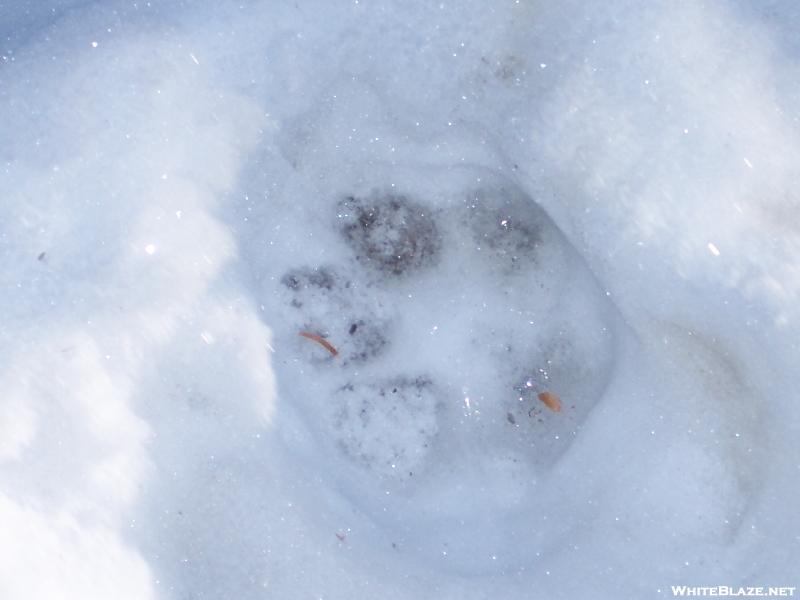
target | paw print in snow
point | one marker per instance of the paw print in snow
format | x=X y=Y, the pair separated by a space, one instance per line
x=388 y=426
x=506 y=310
x=333 y=308
x=390 y=234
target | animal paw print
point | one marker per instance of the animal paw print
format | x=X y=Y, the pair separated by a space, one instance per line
x=538 y=346
x=389 y=234
x=332 y=310
x=388 y=426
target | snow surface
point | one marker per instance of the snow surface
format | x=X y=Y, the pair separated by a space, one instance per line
x=474 y=203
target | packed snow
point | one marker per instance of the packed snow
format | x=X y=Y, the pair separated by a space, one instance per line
x=352 y=299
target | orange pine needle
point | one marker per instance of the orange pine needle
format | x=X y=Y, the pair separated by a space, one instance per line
x=551 y=401
x=322 y=342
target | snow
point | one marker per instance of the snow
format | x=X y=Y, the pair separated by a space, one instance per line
x=472 y=205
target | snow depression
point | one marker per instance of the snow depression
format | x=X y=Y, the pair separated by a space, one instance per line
x=399 y=300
